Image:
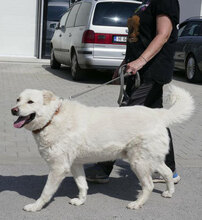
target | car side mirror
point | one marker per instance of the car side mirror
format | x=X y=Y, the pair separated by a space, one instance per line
x=62 y=28
x=57 y=26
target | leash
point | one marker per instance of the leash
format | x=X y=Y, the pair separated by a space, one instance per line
x=122 y=75
x=122 y=92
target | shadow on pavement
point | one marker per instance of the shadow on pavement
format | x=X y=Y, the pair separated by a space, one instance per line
x=63 y=72
x=124 y=187
x=99 y=77
x=180 y=76
x=90 y=76
x=31 y=186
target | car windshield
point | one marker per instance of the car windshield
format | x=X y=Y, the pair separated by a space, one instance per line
x=113 y=13
x=55 y=12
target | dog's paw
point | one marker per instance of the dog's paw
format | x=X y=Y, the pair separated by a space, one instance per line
x=166 y=194
x=76 y=201
x=134 y=205
x=32 y=207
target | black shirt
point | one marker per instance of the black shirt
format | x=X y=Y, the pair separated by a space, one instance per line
x=142 y=30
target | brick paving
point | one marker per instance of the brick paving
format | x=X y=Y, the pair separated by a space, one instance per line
x=20 y=161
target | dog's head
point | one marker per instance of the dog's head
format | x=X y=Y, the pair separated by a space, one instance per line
x=34 y=108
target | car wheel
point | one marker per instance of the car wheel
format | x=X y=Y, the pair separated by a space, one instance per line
x=192 y=70
x=53 y=62
x=76 y=71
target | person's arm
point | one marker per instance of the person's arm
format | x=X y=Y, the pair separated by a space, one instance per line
x=164 y=29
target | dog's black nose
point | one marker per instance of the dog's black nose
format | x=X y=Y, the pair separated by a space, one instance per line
x=15 y=111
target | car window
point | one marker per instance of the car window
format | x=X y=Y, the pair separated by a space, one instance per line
x=113 y=13
x=56 y=12
x=181 y=30
x=72 y=15
x=191 y=29
x=63 y=19
x=83 y=14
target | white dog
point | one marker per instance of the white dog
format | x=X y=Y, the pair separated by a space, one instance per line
x=70 y=134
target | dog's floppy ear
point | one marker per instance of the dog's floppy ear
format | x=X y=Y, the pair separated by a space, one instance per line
x=48 y=96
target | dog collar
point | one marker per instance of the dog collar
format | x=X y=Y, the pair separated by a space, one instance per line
x=46 y=125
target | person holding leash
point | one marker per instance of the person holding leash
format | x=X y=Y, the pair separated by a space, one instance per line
x=150 y=50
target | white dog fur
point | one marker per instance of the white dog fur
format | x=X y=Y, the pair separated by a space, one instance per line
x=70 y=134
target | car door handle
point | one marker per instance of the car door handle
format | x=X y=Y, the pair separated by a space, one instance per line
x=70 y=34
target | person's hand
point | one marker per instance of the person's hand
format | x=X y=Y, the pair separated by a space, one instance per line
x=135 y=65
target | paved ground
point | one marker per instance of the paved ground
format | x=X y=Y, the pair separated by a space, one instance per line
x=23 y=173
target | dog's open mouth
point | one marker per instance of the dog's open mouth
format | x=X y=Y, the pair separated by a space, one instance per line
x=22 y=120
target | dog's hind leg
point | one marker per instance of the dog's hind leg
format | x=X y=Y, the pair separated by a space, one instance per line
x=142 y=171
x=80 y=179
x=167 y=174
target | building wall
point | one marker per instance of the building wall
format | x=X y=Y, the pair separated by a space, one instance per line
x=19 y=25
x=18 y=28
x=190 y=9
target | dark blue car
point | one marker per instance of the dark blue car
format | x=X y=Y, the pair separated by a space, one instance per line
x=188 y=56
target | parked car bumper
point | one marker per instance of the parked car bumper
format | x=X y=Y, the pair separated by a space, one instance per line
x=99 y=63
x=87 y=60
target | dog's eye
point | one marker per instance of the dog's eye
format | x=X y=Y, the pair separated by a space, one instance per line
x=30 y=102
x=18 y=100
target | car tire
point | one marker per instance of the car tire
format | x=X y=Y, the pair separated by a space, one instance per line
x=192 y=71
x=76 y=71
x=53 y=62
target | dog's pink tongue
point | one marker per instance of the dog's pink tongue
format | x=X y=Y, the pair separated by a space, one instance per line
x=20 y=122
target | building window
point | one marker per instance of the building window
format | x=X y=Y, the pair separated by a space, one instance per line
x=53 y=11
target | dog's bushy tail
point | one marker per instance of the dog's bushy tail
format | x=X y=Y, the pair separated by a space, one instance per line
x=182 y=104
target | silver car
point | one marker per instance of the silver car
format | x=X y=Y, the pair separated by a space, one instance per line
x=92 y=35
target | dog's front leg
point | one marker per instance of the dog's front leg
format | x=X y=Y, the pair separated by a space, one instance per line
x=80 y=179
x=55 y=177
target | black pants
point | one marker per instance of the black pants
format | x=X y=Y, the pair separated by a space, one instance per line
x=148 y=94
